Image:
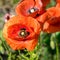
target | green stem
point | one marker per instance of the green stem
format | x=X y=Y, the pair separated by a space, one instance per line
x=1 y=58
x=57 y=51
x=10 y=55
x=57 y=48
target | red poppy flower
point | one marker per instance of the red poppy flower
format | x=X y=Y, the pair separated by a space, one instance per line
x=21 y=33
x=31 y=7
x=51 y=20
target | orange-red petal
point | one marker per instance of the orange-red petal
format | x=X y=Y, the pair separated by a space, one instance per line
x=51 y=28
x=45 y=2
x=58 y=1
x=23 y=7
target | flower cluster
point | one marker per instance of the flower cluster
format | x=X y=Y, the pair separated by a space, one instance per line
x=22 y=31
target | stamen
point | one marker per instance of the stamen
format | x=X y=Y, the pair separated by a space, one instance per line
x=22 y=33
x=32 y=10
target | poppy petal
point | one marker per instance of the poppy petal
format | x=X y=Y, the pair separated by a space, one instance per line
x=51 y=28
x=23 y=8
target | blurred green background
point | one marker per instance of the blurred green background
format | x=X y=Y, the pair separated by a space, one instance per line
x=48 y=47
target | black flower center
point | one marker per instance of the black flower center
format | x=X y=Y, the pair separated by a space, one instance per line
x=23 y=33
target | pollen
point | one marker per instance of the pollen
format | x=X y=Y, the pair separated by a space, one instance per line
x=32 y=10
x=22 y=33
